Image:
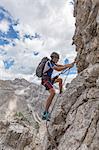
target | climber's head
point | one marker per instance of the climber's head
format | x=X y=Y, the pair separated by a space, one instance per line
x=54 y=57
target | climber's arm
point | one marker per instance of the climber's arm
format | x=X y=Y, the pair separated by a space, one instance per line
x=63 y=67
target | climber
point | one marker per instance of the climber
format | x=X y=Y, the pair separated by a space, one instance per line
x=48 y=82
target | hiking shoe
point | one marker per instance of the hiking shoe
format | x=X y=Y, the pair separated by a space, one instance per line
x=46 y=116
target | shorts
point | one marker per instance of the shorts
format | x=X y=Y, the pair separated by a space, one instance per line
x=48 y=84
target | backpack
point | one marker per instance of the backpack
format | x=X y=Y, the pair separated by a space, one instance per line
x=40 y=67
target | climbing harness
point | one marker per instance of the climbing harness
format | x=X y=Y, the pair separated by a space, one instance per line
x=51 y=138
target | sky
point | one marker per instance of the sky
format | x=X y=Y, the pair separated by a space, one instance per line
x=32 y=29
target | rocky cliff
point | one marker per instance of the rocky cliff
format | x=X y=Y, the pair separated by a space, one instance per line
x=21 y=104
x=75 y=117
x=75 y=123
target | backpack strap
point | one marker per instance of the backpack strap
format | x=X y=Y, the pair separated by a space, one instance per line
x=50 y=67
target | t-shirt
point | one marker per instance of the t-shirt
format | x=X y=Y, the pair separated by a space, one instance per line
x=48 y=70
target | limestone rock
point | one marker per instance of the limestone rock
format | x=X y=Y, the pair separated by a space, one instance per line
x=21 y=127
x=75 y=120
x=75 y=117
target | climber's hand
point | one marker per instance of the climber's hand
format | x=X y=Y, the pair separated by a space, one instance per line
x=71 y=65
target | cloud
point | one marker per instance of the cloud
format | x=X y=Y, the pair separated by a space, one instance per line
x=52 y=20
x=8 y=63
x=2 y=52
x=4 y=25
x=7 y=32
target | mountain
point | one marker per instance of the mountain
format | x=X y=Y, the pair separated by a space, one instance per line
x=74 y=121
x=21 y=104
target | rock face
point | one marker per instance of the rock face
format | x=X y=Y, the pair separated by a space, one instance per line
x=21 y=104
x=75 y=119
x=86 y=36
